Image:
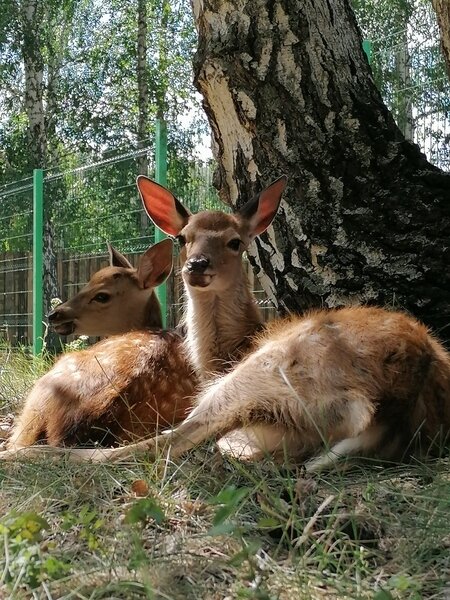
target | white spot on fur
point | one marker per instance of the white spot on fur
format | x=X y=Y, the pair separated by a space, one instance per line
x=71 y=365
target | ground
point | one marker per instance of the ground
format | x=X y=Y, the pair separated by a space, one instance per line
x=208 y=528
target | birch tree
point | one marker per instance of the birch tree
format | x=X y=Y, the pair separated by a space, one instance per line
x=442 y=8
x=366 y=219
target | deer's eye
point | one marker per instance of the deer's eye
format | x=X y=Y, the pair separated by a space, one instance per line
x=181 y=240
x=101 y=297
x=234 y=244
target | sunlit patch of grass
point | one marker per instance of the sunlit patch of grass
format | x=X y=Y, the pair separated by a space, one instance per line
x=18 y=371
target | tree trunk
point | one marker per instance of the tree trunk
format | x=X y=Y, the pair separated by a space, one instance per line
x=32 y=19
x=31 y=15
x=142 y=83
x=442 y=8
x=404 y=119
x=365 y=219
x=143 y=99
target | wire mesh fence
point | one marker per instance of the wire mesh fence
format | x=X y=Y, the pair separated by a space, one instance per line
x=410 y=72
x=16 y=220
x=95 y=203
x=85 y=208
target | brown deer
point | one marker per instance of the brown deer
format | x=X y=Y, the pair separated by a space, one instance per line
x=215 y=340
x=117 y=298
x=120 y=388
x=332 y=383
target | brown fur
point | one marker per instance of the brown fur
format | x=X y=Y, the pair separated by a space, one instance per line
x=217 y=337
x=122 y=388
x=350 y=381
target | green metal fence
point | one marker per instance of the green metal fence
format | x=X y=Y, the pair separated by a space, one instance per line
x=86 y=207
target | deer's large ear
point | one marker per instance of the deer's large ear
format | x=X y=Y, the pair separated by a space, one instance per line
x=261 y=211
x=162 y=207
x=117 y=259
x=155 y=264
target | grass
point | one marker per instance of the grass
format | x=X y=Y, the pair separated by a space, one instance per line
x=209 y=528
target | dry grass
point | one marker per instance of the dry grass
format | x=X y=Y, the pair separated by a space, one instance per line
x=209 y=528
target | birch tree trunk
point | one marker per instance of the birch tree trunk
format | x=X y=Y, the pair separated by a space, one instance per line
x=32 y=13
x=143 y=97
x=32 y=16
x=405 y=119
x=442 y=8
x=366 y=219
x=142 y=83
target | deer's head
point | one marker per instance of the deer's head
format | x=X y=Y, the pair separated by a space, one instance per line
x=212 y=242
x=118 y=298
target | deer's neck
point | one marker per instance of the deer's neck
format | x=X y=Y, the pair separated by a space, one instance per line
x=220 y=327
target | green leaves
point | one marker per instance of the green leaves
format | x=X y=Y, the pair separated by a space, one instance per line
x=144 y=510
x=229 y=500
x=23 y=527
x=87 y=523
x=28 y=560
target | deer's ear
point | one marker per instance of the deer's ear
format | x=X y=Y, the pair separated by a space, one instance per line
x=260 y=211
x=155 y=264
x=117 y=259
x=162 y=207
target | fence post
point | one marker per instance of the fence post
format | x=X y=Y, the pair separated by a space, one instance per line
x=38 y=230
x=367 y=47
x=161 y=177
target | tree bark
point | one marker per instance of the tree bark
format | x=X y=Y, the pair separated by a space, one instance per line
x=33 y=15
x=142 y=84
x=442 y=8
x=365 y=219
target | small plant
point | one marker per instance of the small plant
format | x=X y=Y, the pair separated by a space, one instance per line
x=80 y=343
x=229 y=499
x=55 y=302
x=88 y=525
x=28 y=560
x=144 y=510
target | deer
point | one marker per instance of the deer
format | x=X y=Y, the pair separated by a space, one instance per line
x=119 y=389
x=214 y=341
x=98 y=309
x=315 y=387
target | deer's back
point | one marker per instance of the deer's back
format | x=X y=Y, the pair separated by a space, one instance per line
x=384 y=359
x=122 y=388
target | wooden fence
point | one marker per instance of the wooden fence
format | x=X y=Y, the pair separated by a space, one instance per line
x=16 y=289
x=16 y=299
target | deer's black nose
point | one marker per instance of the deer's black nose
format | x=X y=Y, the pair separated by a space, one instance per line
x=197 y=265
